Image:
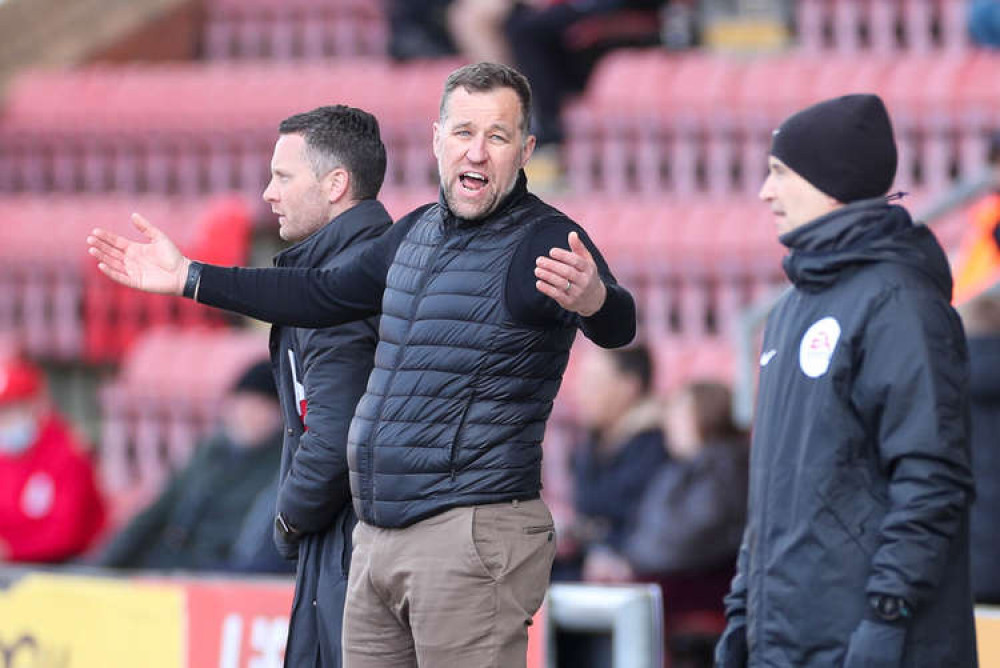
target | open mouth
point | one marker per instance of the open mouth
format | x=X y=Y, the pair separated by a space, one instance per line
x=474 y=181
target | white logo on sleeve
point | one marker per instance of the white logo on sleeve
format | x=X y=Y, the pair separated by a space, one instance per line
x=765 y=358
x=817 y=347
x=38 y=495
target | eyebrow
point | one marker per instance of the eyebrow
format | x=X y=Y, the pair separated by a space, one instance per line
x=491 y=128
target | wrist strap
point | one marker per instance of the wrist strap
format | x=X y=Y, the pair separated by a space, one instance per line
x=193 y=280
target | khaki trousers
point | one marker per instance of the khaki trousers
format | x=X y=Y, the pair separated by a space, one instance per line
x=455 y=590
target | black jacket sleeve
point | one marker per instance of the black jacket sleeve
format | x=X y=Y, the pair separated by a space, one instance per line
x=335 y=367
x=611 y=327
x=912 y=386
x=307 y=297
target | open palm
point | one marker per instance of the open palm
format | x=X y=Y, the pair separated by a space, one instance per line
x=154 y=266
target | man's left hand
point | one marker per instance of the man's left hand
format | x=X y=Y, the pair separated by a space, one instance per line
x=875 y=645
x=570 y=277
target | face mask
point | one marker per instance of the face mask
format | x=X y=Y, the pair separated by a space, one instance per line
x=18 y=434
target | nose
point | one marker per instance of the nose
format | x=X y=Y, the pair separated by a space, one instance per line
x=269 y=194
x=476 y=151
x=766 y=191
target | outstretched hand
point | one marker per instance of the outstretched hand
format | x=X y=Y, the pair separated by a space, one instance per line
x=154 y=266
x=570 y=277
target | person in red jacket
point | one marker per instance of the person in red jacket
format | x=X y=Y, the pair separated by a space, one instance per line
x=50 y=507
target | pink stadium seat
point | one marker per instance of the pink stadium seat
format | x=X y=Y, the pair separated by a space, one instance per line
x=55 y=302
x=164 y=399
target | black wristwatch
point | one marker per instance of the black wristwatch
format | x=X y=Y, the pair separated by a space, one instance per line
x=889 y=608
x=286 y=530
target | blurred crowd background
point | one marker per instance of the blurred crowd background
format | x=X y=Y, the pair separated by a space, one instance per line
x=141 y=432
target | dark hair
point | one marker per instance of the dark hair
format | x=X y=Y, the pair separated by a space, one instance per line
x=712 y=404
x=636 y=362
x=342 y=136
x=484 y=77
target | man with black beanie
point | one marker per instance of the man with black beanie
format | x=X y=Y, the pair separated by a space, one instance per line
x=856 y=551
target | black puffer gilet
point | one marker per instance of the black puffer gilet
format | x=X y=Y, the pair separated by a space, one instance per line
x=456 y=405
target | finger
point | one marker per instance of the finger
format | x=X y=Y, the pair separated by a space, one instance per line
x=105 y=248
x=553 y=292
x=108 y=260
x=147 y=228
x=114 y=274
x=109 y=238
x=554 y=266
x=567 y=257
x=578 y=247
x=557 y=280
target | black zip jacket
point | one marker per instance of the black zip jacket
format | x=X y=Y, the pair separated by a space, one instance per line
x=321 y=374
x=860 y=480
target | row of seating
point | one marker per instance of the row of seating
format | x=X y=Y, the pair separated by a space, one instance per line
x=294 y=29
x=53 y=300
x=191 y=129
x=301 y=29
x=881 y=26
x=651 y=122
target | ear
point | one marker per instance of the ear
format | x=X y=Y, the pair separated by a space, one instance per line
x=337 y=184
x=529 y=148
x=437 y=139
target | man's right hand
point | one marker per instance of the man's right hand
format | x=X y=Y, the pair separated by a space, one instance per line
x=154 y=266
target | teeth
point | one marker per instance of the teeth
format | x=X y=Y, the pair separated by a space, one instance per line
x=475 y=175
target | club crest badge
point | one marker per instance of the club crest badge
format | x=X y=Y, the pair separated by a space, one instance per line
x=818 y=344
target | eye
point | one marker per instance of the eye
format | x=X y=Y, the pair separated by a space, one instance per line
x=463 y=133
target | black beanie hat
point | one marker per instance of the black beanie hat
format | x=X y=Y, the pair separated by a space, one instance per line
x=843 y=146
x=257 y=379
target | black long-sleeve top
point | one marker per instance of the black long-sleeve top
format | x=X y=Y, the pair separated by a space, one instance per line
x=326 y=297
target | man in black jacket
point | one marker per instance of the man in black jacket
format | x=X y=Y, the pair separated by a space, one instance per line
x=480 y=296
x=326 y=172
x=856 y=551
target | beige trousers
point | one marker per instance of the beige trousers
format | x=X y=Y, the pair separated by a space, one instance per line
x=455 y=590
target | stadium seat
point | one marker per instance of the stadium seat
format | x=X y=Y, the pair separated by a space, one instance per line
x=163 y=400
x=57 y=305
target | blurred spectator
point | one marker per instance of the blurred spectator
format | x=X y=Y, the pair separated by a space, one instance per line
x=978 y=264
x=418 y=29
x=623 y=450
x=981 y=317
x=557 y=46
x=689 y=523
x=477 y=28
x=984 y=22
x=195 y=522
x=50 y=508
x=692 y=514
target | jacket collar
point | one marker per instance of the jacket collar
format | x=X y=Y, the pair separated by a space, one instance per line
x=335 y=236
x=860 y=233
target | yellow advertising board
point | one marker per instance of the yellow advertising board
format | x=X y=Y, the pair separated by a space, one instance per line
x=65 y=621
x=988 y=635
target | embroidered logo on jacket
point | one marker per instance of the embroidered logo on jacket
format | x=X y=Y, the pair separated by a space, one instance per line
x=817 y=347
